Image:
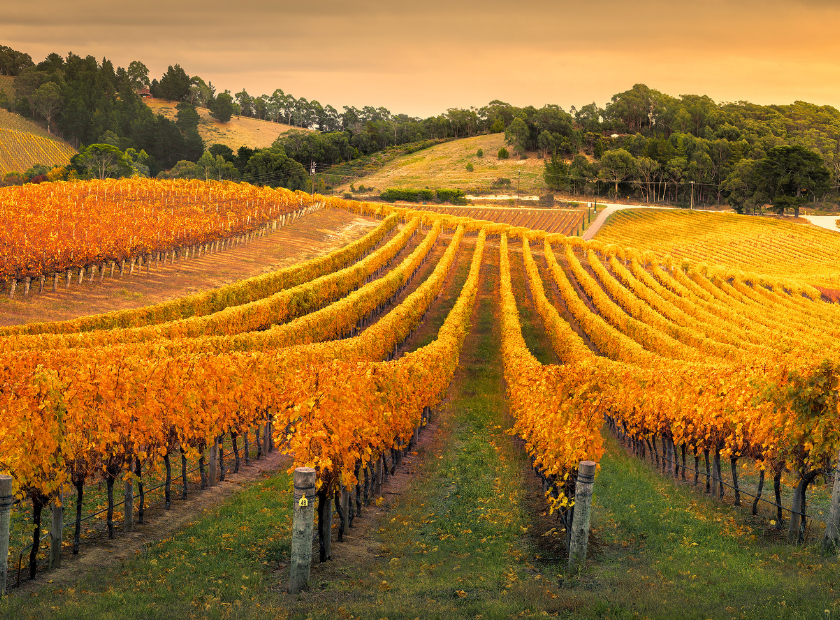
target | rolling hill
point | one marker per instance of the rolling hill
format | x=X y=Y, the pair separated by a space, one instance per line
x=239 y=131
x=445 y=165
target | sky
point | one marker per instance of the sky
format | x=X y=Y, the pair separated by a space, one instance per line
x=423 y=57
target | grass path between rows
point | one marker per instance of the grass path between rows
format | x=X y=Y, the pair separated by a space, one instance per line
x=468 y=537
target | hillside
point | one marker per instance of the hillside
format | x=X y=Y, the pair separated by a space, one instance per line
x=239 y=131
x=765 y=245
x=445 y=165
x=24 y=144
x=7 y=85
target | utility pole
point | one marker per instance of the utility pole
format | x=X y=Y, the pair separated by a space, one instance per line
x=518 y=182
x=692 y=195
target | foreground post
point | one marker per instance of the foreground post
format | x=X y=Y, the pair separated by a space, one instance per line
x=56 y=531
x=5 y=515
x=304 y=517
x=214 y=460
x=580 y=523
x=128 y=513
x=831 y=540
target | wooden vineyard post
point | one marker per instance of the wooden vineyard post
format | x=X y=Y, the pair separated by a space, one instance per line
x=377 y=477
x=345 y=509
x=6 y=499
x=303 y=522
x=580 y=522
x=831 y=540
x=128 y=506
x=214 y=459
x=56 y=530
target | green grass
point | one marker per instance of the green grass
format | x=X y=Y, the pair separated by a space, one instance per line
x=665 y=549
x=220 y=566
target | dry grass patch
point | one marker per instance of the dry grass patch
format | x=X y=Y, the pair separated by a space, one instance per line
x=445 y=165
x=239 y=131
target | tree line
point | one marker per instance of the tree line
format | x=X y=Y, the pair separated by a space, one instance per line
x=656 y=148
x=643 y=143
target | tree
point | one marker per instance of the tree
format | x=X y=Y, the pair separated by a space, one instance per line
x=741 y=186
x=647 y=169
x=187 y=117
x=215 y=167
x=48 y=101
x=139 y=162
x=174 y=85
x=13 y=62
x=246 y=103
x=789 y=171
x=138 y=74
x=555 y=173
x=101 y=161
x=517 y=135
x=201 y=93
x=26 y=83
x=546 y=143
x=616 y=166
x=221 y=108
x=271 y=167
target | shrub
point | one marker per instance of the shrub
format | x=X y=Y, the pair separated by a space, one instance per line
x=347 y=196
x=409 y=195
x=470 y=167
x=480 y=152
x=361 y=188
x=455 y=196
x=503 y=153
x=547 y=200
x=501 y=182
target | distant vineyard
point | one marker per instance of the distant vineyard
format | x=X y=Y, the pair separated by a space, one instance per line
x=54 y=227
x=549 y=220
x=752 y=244
x=20 y=150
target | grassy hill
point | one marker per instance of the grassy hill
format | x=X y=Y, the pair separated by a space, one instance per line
x=239 y=131
x=445 y=165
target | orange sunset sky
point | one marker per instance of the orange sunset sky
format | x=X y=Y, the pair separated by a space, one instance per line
x=421 y=58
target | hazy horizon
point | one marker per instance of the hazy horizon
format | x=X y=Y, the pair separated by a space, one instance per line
x=421 y=60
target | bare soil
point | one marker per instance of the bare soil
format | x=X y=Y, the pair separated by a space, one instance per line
x=305 y=238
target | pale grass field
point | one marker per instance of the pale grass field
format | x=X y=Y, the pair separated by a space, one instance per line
x=445 y=166
x=239 y=131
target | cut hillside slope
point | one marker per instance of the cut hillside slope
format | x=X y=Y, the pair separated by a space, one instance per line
x=445 y=165
x=239 y=131
x=766 y=245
